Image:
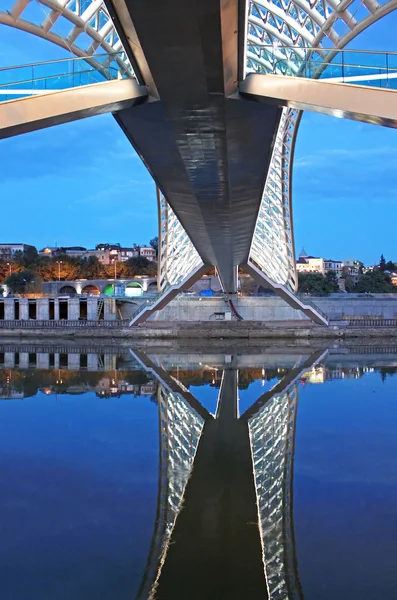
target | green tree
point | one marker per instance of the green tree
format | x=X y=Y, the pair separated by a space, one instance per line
x=382 y=263
x=331 y=281
x=91 y=268
x=142 y=266
x=390 y=266
x=375 y=282
x=155 y=244
x=314 y=284
x=18 y=282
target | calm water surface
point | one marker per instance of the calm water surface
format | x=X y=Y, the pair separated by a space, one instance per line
x=284 y=462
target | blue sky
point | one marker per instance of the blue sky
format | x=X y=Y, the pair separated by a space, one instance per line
x=82 y=183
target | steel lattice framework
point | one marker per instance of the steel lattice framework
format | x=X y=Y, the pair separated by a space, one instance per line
x=178 y=256
x=180 y=430
x=272 y=436
x=83 y=27
x=282 y=32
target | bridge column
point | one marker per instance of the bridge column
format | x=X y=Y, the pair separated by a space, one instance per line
x=9 y=309
x=74 y=309
x=110 y=362
x=92 y=362
x=56 y=360
x=23 y=309
x=110 y=309
x=43 y=309
x=73 y=362
x=43 y=360
x=92 y=308
x=145 y=284
x=23 y=360
x=9 y=360
x=56 y=309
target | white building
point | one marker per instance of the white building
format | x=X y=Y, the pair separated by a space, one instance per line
x=316 y=264
x=8 y=250
x=147 y=252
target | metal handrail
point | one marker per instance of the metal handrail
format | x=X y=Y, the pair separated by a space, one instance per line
x=320 y=49
x=59 y=60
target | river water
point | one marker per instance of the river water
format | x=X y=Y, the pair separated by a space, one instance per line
x=211 y=473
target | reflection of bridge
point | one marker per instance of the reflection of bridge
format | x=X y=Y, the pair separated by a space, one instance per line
x=242 y=476
x=220 y=151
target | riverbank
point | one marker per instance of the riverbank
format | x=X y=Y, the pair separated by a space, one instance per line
x=247 y=330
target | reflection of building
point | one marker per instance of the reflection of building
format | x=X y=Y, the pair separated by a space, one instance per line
x=108 y=388
x=323 y=374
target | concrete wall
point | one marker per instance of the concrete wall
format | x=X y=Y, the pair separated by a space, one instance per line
x=43 y=308
x=272 y=308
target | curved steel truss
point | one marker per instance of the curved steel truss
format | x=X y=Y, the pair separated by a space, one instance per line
x=83 y=27
x=280 y=33
x=177 y=255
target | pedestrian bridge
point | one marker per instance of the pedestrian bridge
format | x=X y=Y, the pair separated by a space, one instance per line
x=210 y=94
x=133 y=287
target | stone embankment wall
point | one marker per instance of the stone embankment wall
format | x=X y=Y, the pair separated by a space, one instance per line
x=270 y=308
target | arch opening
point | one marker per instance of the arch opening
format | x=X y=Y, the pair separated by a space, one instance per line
x=133 y=289
x=90 y=290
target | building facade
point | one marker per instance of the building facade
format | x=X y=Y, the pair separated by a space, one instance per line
x=147 y=252
x=7 y=251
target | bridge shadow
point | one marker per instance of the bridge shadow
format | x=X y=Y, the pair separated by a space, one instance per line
x=224 y=524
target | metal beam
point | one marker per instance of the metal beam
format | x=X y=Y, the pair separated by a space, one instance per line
x=54 y=108
x=356 y=102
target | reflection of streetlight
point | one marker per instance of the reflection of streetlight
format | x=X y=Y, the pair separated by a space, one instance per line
x=9 y=265
x=59 y=262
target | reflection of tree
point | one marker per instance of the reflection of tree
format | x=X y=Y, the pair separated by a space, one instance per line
x=133 y=377
x=387 y=371
x=212 y=377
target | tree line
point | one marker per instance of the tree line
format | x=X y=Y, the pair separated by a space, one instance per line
x=27 y=270
x=376 y=281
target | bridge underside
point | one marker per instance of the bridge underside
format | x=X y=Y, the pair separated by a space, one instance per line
x=208 y=151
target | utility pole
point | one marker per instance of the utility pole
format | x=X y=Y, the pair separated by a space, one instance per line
x=10 y=267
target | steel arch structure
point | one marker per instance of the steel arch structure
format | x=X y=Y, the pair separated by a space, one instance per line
x=284 y=31
x=83 y=27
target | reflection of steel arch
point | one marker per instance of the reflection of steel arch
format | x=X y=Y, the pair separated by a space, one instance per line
x=287 y=29
x=90 y=30
x=271 y=422
x=272 y=434
x=180 y=430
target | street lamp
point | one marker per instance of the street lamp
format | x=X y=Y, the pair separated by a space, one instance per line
x=115 y=267
x=59 y=262
x=10 y=267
